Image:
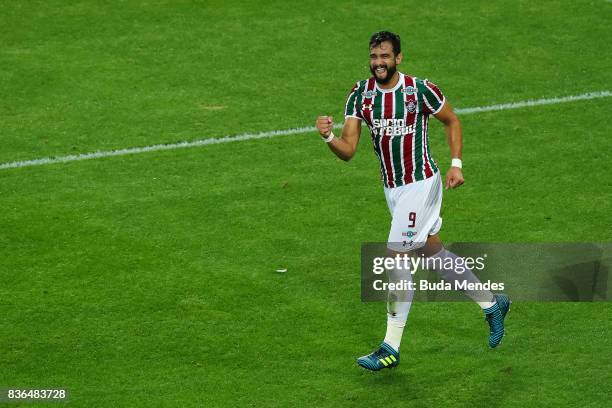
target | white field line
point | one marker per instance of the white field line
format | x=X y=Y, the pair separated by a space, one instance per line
x=537 y=102
x=274 y=133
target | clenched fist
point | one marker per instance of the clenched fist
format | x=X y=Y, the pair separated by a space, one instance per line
x=325 y=125
x=454 y=178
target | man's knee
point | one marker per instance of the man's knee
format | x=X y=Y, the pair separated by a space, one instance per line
x=432 y=247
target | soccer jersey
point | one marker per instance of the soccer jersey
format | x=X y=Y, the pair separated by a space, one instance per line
x=398 y=120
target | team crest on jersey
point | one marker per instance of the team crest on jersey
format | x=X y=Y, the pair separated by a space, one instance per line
x=411 y=106
x=368 y=94
x=409 y=90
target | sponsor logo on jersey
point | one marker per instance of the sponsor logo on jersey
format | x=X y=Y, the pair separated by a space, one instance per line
x=368 y=94
x=391 y=127
x=409 y=90
x=409 y=234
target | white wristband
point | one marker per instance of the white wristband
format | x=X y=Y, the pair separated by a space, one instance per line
x=329 y=138
x=456 y=163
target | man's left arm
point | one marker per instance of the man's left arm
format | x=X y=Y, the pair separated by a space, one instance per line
x=452 y=127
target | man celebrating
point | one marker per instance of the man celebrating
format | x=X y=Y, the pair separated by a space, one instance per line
x=396 y=107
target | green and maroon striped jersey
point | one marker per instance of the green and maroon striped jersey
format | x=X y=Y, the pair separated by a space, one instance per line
x=398 y=120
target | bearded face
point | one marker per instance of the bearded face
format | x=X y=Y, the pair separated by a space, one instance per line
x=383 y=72
x=383 y=62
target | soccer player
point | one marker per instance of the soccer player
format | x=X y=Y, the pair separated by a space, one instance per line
x=397 y=107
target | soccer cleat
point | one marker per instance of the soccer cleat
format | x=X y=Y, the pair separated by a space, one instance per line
x=495 y=316
x=384 y=357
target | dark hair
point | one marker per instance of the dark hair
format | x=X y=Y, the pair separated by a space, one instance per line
x=382 y=36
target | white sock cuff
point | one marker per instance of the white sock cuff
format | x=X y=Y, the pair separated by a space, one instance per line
x=393 y=337
x=486 y=305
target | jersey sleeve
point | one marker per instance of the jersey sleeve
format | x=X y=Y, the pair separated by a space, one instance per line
x=351 y=110
x=433 y=98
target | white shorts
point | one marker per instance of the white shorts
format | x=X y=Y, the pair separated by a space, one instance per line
x=415 y=212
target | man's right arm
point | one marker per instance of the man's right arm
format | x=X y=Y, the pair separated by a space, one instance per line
x=345 y=146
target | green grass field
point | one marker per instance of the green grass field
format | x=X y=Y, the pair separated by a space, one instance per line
x=149 y=280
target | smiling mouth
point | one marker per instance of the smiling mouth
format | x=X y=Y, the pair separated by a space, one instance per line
x=381 y=70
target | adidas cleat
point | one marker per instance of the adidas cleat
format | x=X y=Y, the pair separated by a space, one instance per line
x=495 y=316
x=384 y=357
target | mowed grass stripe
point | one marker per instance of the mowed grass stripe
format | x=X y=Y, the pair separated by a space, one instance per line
x=285 y=132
